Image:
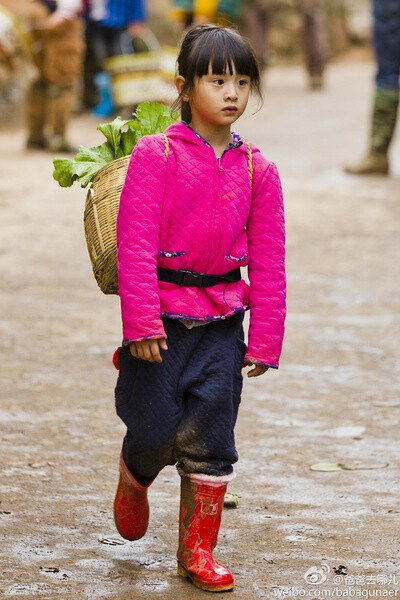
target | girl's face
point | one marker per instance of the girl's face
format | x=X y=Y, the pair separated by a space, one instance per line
x=219 y=100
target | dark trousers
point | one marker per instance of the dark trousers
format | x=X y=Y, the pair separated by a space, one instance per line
x=102 y=42
x=387 y=42
x=183 y=411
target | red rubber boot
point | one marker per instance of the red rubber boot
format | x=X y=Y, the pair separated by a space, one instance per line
x=199 y=522
x=131 y=507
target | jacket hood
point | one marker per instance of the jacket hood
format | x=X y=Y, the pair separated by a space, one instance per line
x=181 y=131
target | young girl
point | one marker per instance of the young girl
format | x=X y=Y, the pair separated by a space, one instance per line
x=198 y=203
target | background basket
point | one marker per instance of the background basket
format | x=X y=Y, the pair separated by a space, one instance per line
x=144 y=76
x=100 y=216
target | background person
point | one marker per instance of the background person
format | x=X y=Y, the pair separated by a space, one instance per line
x=257 y=21
x=57 y=45
x=386 y=41
x=109 y=24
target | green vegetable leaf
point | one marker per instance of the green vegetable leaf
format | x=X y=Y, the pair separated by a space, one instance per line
x=67 y=171
x=128 y=141
x=121 y=137
x=84 y=171
x=112 y=132
x=84 y=166
x=153 y=118
x=97 y=154
x=63 y=171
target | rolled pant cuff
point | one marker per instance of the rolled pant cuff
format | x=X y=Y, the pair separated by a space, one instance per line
x=210 y=479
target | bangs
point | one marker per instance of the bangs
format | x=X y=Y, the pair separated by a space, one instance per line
x=225 y=52
x=220 y=49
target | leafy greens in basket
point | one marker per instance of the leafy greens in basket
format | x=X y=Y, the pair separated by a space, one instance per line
x=121 y=137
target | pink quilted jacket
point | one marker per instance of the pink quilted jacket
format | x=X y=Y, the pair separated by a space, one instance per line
x=196 y=212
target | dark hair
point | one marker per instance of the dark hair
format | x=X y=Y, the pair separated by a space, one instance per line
x=222 y=48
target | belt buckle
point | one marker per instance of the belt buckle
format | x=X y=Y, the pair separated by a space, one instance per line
x=191 y=278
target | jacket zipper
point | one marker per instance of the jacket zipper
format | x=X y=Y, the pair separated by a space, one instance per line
x=220 y=168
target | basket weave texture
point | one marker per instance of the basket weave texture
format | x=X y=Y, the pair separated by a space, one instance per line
x=100 y=216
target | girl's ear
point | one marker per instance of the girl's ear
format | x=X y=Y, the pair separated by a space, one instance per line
x=179 y=83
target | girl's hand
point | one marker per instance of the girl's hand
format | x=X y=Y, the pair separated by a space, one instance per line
x=258 y=370
x=148 y=349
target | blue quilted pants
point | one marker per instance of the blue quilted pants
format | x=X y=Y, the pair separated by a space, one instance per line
x=183 y=411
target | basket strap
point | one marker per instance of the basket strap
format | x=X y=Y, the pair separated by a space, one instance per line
x=166 y=145
x=249 y=162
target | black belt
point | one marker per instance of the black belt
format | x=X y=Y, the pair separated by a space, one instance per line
x=193 y=279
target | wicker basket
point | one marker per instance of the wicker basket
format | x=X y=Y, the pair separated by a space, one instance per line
x=101 y=209
x=144 y=77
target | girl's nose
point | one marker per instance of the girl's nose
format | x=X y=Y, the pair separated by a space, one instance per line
x=231 y=93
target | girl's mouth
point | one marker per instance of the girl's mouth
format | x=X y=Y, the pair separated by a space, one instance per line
x=230 y=109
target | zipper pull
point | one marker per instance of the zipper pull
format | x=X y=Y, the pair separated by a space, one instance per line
x=219 y=164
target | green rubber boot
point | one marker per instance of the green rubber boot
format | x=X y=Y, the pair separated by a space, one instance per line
x=384 y=115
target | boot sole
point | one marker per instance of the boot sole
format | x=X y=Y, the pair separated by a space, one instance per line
x=202 y=585
x=129 y=537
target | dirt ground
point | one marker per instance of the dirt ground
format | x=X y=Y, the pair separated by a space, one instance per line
x=297 y=532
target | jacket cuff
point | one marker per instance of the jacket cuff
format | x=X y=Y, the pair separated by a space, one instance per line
x=252 y=361
x=152 y=336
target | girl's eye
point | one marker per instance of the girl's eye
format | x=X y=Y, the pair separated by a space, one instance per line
x=219 y=81
x=243 y=82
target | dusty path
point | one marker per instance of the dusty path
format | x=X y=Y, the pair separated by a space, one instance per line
x=335 y=398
